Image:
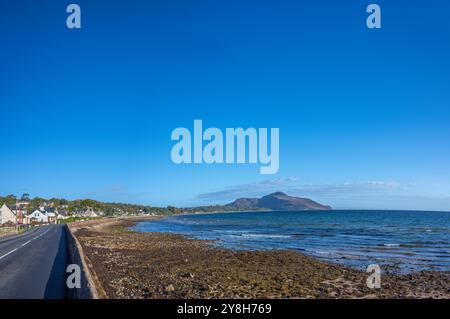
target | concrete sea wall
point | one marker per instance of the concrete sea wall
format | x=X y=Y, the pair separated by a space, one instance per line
x=76 y=256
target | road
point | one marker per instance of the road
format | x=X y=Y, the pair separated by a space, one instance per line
x=33 y=264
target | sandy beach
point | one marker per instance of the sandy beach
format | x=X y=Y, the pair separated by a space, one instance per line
x=129 y=264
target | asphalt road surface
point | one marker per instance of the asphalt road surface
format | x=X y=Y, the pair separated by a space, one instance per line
x=33 y=264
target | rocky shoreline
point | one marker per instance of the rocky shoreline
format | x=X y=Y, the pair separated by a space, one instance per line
x=132 y=265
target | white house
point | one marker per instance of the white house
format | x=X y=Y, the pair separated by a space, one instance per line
x=62 y=216
x=51 y=213
x=22 y=204
x=7 y=215
x=38 y=217
x=88 y=212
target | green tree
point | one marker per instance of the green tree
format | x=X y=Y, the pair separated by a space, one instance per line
x=11 y=199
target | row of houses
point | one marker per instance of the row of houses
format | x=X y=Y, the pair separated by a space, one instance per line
x=17 y=215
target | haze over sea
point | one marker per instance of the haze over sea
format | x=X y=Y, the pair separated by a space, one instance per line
x=407 y=240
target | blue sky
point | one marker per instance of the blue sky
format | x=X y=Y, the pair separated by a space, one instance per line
x=363 y=114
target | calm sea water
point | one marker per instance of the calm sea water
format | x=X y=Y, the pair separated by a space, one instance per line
x=409 y=241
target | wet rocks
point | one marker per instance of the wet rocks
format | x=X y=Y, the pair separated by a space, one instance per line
x=157 y=265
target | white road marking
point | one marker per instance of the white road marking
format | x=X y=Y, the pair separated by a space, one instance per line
x=8 y=253
x=24 y=244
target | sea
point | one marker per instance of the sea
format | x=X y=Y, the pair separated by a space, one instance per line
x=404 y=241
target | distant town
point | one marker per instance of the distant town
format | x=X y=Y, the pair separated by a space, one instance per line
x=45 y=214
x=26 y=211
x=23 y=210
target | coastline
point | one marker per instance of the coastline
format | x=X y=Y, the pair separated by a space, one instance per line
x=130 y=264
x=337 y=210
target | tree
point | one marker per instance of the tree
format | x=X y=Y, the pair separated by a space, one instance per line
x=11 y=199
x=25 y=197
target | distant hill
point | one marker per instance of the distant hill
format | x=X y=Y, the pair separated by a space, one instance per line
x=277 y=201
